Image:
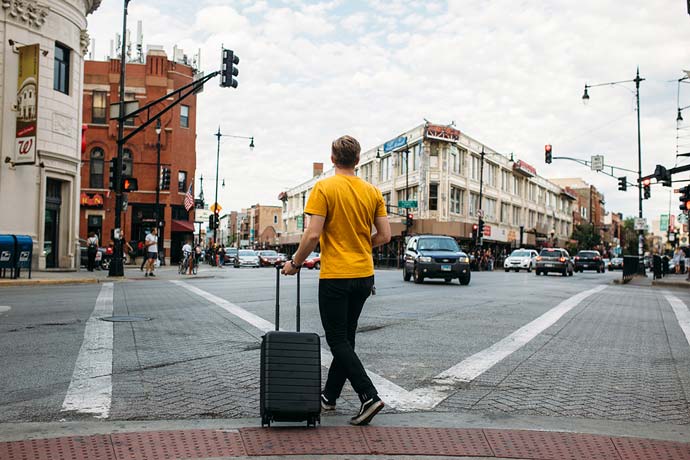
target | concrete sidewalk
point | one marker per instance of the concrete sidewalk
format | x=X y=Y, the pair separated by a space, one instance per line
x=400 y=436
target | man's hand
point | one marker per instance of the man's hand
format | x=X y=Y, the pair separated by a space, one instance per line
x=289 y=268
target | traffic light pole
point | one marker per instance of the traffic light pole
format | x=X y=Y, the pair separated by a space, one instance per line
x=117 y=263
x=480 y=230
x=215 y=202
x=641 y=269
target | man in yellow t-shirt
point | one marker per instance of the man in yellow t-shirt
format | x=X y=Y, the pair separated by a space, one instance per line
x=343 y=210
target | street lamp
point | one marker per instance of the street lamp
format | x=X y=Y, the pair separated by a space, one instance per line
x=215 y=204
x=585 y=99
x=158 y=182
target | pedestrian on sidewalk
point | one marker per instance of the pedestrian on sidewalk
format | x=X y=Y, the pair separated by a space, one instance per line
x=142 y=250
x=152 y=252
x=342 y=210
x=91 y=250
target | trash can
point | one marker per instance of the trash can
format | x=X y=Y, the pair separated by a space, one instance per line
x=23 y=251
x=7 y=252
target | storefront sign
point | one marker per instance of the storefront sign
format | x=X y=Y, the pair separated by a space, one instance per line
x=442 y=133
x=91 y=200
x=524 y=168
x=395 y=143
x=27 y=104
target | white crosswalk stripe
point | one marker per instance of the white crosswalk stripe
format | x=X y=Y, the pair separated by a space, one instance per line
x=682 y=314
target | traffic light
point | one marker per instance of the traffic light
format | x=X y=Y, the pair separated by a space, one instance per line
x=111 y=174
x=165 y=179
x=229 y=71
x=480 y=229
x=684 y=198
x=623 y=183
x=410 y=220
x=129 y=184
x=663 y=175
x=475 y=227
x=548 y=157
x=646 y=185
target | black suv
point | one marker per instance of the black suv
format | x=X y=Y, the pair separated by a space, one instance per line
x=434 y=256
x=589 y=260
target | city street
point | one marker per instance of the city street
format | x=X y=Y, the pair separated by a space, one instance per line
x=508 y=344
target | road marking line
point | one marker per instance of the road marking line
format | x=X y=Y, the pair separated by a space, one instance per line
x=682 y=314
x=394 y=395
x=472 y=367
x=4 y=309
x=90 y=391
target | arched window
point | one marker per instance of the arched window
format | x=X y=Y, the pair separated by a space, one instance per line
x=96 y=168
x=127 y=163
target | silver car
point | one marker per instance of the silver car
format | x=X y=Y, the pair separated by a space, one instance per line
x=247 y=258
x=524 y=259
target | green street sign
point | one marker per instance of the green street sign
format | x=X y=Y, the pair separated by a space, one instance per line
x=300 y=223
x=663 y=222
x=407 y=203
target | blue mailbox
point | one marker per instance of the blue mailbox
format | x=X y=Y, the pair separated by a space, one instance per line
x=23 y=251
x=6 y=254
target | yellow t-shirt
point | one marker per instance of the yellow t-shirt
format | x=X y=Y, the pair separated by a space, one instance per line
x=349 y=205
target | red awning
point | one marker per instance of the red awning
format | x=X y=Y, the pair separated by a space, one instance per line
x=182 y=226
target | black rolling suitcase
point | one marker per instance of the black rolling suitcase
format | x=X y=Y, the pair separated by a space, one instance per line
x=290 y=372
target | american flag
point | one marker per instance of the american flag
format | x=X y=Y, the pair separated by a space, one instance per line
x=189 y=198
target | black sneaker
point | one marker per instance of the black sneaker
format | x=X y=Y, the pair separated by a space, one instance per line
x=151 y=274
x=367 y=411
x=146 y=274
x=326 y=404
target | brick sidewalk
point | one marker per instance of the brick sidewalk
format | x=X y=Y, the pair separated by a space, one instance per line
x=366 y=442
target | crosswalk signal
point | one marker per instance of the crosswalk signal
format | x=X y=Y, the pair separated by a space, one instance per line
x=165 y=179
x=130 y=184
x=646 y=185
x=623 y=183
x=548 y=157
x=684 y=198
x=229 y=71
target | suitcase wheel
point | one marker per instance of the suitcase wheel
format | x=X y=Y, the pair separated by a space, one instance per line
x=265 y=421
x=311 y=421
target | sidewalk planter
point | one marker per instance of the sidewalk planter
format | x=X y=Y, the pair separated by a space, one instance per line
x=23 y=250
x=7 y=252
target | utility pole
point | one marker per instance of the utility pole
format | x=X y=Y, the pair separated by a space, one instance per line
x=480 y=236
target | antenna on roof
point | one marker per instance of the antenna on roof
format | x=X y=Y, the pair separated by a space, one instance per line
x=140 y=42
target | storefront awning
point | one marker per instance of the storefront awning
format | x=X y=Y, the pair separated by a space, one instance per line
x=182 y=226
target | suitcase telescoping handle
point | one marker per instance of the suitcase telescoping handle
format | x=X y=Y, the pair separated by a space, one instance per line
x=278 y=267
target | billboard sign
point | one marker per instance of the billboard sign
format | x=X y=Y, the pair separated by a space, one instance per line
x=442 y=133
x=27 y=104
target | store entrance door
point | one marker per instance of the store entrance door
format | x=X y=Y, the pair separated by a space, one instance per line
x=51 y=227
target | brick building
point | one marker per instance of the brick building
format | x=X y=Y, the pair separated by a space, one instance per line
x=144 y=82
x=590 y=204
x=260 y=226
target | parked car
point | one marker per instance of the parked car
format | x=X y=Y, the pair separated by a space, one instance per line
x=554 y=260
x=246 y=258
x=102 y=258
x=616 y=264
x=230 y=256
x=312 y=261
x=589 y=260
x=521 y=259
x=435 y=256
x=269 y=258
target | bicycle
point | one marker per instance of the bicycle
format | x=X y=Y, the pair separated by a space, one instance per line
x=184 y=265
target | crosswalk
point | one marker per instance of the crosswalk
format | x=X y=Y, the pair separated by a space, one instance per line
x=90 y=389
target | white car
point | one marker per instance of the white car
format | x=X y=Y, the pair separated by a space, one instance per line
x=521 y=259
x=247 y=258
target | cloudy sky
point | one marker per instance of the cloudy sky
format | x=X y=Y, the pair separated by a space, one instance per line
x=508 y=73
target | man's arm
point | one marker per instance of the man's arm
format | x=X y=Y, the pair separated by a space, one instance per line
x=383 y=232
x=310 y=238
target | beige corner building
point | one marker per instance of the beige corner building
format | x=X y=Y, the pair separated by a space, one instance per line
x=41 y=78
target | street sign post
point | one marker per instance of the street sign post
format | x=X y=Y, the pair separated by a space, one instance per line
x=682 y=218
x=640 y=224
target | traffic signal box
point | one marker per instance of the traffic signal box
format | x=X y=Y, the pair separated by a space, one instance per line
x=684 y=198
x=409 y=220
x=647 y=188
x=229 y=71
x=548 y=156
x=475 y=234
x=130 y=184
x=623 y=183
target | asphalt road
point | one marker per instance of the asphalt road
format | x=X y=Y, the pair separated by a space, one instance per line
x=509 y=343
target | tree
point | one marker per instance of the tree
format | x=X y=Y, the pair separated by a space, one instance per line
x=630 y=237
x=587 y=236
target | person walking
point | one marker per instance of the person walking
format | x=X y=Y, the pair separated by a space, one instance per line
x=142 y=250
x=151 y=244
x=342 y=211
x=91 y=250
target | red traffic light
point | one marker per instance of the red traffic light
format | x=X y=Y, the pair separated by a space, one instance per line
x=410 y=216
x=547 y=148
x=475 y=227
x=646 y=182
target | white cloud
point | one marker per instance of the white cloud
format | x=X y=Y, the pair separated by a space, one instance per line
x=511 y=74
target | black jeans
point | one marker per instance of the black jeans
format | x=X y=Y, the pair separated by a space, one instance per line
x=340 y=304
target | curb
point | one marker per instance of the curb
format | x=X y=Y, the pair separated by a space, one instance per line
x=678 y=284
x=31 y=282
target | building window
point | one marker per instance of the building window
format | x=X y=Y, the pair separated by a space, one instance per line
x=165 y=184
x=387 y=200
x=505 y=213
x=475 y=167
x=366 y=172
x=410 y=195
x=99 y=107
x=516 y=186
x=462 y=160
x=127 y=163
x=275 y=219
x=184 y=116
x=416 y=154
x=474 y=204
x=96 y=168
x=489 y=208
x=130 y=97
x=61 y=69
x=182 y=181
x=532 y=192
x=433 y=197
x=457 y=200
x=454 y=162
x=516 y=216
x=505 y=180
x=179 y=212
x=403 y=162
x=491 y=172
x=433 y=155
x=583 y=212
x=385 y=169
x=532 y=218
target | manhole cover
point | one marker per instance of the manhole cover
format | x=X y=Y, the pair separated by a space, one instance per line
x=125 y=319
